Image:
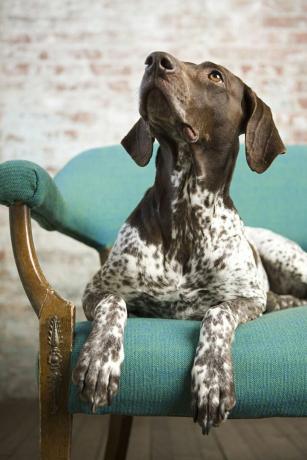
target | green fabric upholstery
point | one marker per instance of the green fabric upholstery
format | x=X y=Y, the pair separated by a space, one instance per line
x=275 y=199
x=110 y=180
x=94 y=193
x=270 y=367
x=103 y=186
x=26 y=182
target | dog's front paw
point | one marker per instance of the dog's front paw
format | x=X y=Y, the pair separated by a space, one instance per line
x=213 y=394
x=98 y=369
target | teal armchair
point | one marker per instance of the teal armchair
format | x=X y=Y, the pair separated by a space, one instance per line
x=88 y=200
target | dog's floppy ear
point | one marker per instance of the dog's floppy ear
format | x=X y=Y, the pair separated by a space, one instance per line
x=139 y=142
x=262 y=140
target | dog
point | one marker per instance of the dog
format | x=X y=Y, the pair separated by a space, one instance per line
x=184 y=252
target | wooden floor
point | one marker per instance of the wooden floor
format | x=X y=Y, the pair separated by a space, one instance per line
x=159 y=438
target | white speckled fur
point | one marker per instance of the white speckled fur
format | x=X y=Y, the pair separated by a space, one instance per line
x=284 y=261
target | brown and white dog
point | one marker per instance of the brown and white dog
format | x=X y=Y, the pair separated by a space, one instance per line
x=184 y=252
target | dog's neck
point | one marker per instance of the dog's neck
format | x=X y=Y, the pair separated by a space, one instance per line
x=197 y=167
x=190 y=181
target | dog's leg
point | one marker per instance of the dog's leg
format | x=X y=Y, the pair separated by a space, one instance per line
x=213 y=394
x=284 y=261
x=281 y=302
x=98 y=368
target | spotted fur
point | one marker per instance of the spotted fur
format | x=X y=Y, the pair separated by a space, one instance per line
x=98 y=369
x=184 y=252
x=285 y=262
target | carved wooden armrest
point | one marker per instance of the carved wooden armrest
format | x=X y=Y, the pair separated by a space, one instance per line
x=56 y=326
x=37 y=288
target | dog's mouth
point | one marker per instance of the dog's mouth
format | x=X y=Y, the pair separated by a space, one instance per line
x=190 y=134
x=159 y=109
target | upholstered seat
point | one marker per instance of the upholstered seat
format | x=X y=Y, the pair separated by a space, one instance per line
x=270 y=367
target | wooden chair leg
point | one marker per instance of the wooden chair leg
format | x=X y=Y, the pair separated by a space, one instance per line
x=118 y=437
x=56 y=330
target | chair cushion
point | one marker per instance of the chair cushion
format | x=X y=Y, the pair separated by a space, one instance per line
x=270 y=367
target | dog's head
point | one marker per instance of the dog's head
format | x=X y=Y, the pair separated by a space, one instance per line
x=202 y=104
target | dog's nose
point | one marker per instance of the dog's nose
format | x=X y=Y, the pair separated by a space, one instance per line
x=160 y=62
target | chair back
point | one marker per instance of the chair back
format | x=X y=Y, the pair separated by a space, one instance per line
x=105 y=185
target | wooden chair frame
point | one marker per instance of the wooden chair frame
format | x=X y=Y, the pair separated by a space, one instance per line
x=56 y=328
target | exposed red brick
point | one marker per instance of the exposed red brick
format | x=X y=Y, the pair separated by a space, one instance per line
x=300 y=137
x=51 y=170
x=22 y=69
x=303 y=102
x=246 y=68
x=284 y=21
x=14 y=138
x=20 y=39
x=59 y=69
x=300 y=37
x=72 y=134
x=82 y=117
x=66 y=87
x=18 y=69
x=125 y=70
x=87 y=54
x=43 y=55
x=98 y=69
x=301 y=86
x=279 y=69
x=119 y=85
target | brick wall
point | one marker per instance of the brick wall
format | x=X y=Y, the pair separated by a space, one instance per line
x=69 y=81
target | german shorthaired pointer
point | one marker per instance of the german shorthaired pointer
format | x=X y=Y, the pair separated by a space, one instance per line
x=184 y=252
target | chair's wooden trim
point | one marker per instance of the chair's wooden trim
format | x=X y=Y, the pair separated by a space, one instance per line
x=56 y=327
x=34 y=282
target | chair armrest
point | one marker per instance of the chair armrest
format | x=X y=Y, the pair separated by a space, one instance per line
x=25 y=182
x=37 y=288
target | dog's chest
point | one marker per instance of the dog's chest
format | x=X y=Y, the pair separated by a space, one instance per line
x=207 y=245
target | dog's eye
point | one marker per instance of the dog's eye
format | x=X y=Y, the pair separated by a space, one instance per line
x=215 y=76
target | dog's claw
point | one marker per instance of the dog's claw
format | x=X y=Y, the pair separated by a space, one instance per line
x=80 y=385
x=222 y=410
x=94 y=407
x=109 y=397
x=211 y=407
x=95 y=403
x=207 y=426
x=195 y=411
